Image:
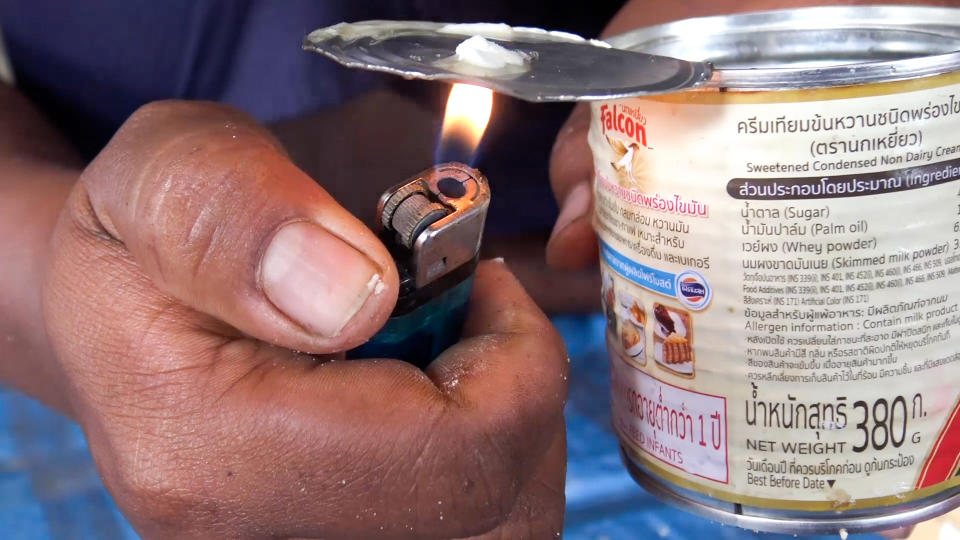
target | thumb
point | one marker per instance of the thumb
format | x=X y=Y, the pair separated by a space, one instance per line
x=573 y=244
x=208 y=206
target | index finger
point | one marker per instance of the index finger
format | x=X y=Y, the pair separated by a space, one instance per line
x=510 y=351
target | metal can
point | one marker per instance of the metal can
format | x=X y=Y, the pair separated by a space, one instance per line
x=780 y=252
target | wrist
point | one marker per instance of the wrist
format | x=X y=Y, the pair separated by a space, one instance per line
x=31 y=197
x=37 y=171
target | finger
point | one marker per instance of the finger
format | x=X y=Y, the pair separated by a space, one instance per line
x=571 y=162
x=897 y=534
x=572 y=243
x=538 y=512
x=509 y=349
x=441 y=454
x=574 y=247
x=215 y=214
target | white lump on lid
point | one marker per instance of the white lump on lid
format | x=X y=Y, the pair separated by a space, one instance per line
x=480 y=52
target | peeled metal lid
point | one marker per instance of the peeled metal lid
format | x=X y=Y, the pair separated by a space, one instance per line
x=811 y=47
x=526 y=63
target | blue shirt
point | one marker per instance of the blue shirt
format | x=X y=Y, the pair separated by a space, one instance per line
x=89 y=64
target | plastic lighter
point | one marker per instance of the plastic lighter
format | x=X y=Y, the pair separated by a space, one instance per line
x=433 y=226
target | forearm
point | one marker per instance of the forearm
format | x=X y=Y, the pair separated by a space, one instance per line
x=37 y=170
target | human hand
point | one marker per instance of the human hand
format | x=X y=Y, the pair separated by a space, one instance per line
x=573 y=244
x=191 y=261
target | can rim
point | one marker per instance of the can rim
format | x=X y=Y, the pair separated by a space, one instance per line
x=939 y=22
x=828 y=523
x=840 y=75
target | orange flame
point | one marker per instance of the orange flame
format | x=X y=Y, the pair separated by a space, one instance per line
x=467 y=115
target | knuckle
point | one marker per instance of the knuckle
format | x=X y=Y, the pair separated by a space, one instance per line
x=569 y=164
x=167 y=122
x=545 y=351
x=552 y=342
x=194 y=196
x=574 y=130
x=154 y=109
x=571 y=153
x=571 y=137
x=164 y=155
x=195 y=112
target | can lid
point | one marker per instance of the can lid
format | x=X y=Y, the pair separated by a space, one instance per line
x=811 y=47
x=527 y=63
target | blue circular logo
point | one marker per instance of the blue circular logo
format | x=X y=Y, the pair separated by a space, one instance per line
x=692 y=289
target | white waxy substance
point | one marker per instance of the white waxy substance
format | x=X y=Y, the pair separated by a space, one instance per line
x=480 y=52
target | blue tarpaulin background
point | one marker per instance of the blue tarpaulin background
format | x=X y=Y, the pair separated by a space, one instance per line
x=49 y=488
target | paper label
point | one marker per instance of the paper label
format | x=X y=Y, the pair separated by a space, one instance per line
x=790 y=259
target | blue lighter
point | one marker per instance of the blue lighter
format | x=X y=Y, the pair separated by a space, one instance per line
x=433 y=225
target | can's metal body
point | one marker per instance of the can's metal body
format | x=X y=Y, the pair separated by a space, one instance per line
x=780 y=251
